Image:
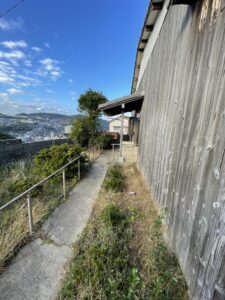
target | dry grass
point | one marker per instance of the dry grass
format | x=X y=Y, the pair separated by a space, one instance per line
x=158 y=275
x=155 y=260
x=14 y=230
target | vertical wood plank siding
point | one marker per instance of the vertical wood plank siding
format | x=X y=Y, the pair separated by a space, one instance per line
x=182 y=140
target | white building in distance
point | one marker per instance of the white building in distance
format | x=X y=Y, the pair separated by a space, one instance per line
x=115 y=125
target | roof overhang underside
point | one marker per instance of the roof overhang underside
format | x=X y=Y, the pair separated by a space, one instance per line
x=153 y=12
x=124 y=104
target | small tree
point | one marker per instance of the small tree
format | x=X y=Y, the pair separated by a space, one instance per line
x=82 y=131
x=89 y=102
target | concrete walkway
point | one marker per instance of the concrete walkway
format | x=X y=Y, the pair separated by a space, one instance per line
x=37 y=271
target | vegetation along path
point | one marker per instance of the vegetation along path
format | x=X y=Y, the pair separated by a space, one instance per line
x=37 y=270
x=121 y=254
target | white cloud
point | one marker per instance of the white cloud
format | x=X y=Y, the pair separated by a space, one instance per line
x=50 y=91
x=11 y=25
x=36 y=49
x=13 y=91
x=5 y=78
x=11 y=107
x=14 y=44
x=47 y=45
x=27 y=81
x=7 y=73
x=50 y=67
x=49 y=63
x=28 y=63
x=70 y=81
x=12 y=55
x=9 y=76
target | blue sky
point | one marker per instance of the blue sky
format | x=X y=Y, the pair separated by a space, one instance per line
x=52 y=51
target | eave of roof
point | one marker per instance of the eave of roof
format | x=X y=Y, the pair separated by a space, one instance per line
x=152 y=14
x=114 y=107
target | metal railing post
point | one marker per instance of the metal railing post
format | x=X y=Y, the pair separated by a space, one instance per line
x=78 y=175
x=30 y=216
x=64 y=183
x=113 y=151
x=41 y=182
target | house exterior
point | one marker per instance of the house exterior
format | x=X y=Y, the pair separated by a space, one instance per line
x=115 y=125
x=179 y=72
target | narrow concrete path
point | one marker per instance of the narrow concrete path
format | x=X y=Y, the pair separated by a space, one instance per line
x=37 y=271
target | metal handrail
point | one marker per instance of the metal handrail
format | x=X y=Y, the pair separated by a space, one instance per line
x=27 y=192
x=36 y=185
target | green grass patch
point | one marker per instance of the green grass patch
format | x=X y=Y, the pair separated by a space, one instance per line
x=103 y=267
x=121 y=253
x=114 y=179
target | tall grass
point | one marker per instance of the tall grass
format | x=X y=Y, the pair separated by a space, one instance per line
x=14 y=220
x=15 y=178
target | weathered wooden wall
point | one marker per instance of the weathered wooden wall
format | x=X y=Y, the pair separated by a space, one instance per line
x=182 y=140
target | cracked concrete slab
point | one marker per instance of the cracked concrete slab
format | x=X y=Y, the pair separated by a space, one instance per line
x=67 y=222
x=36 y=272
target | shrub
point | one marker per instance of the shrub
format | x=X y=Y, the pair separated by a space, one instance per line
x=49 y=160
x=104 y=140
x=112 y=215
x=114 y=179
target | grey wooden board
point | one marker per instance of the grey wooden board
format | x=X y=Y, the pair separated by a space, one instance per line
x=182 y=140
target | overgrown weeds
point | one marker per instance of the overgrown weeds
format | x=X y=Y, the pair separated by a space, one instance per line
x=17 y=177
x=121 y=253
x=114 y=179
x=103 y=266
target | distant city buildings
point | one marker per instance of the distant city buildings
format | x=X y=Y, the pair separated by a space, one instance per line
x=67 y=129
x=33 y=128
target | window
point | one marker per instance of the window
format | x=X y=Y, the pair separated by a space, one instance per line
x=116 y=128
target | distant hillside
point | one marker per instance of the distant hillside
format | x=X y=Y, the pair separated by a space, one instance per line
x=104 y=125
x=3 y=116
x=23 y=123
x=17 y=128
x=4 y=136
x=46 y=116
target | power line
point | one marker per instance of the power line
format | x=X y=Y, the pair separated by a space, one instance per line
x=11 y=8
